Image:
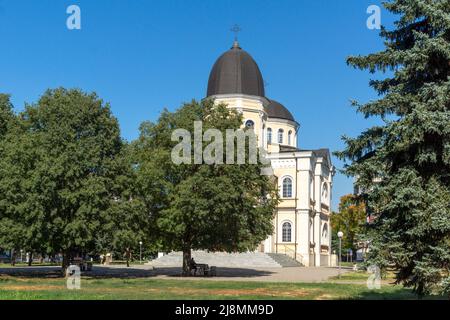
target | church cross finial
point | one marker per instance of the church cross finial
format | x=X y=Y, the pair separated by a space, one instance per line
x=236 y=29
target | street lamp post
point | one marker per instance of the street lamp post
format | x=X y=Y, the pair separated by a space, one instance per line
x=340 y=235
x=140 y=252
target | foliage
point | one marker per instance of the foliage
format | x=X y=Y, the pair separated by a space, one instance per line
x=350 y=220
x=61 y=175
x=6 y=114
x=215 y=207
x=126 y=221
x=9 y=231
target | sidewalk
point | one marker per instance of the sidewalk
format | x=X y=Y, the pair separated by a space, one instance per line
x=294 y=274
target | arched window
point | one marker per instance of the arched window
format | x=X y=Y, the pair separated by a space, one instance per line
x=287 y=188
x=280 y=136
x=324 y=192
x=249 y=124
x=325 y=232
x=287 y=232
x=289 y=137
x=269 y=135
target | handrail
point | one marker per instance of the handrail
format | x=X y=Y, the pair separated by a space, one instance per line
x=292 y=254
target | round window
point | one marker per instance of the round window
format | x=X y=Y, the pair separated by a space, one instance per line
x=249 y=124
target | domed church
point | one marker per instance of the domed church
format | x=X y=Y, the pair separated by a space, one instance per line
x=305 y=177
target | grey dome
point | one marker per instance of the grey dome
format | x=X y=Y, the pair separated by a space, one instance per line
x=277 y=110
x=235 y=72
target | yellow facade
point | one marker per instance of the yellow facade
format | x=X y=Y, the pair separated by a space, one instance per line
x=301 y=225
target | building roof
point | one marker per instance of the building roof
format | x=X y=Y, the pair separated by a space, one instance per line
x=322 y=153
x=277 y=110
x=284 y=148
x=235 y=72
x=319 y=153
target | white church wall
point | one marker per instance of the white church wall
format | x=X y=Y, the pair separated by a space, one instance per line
x=317 y=242
x=286 y=247
x=303 y=177
x=285 y=168
x=285 y=125
x=252 y=108
x=302 y=236
x=268 y=245
x=317 y=208
x=285 y=165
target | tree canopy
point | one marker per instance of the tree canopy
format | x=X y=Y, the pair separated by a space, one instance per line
x=215 y=207
x=350 y=220
x=69 y=184
x=6 y=114
x=8 y=229
x=62 y=173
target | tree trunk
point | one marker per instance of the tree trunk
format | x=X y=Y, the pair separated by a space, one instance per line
x=187 y=261
x=65 y=263
x=13 y=257
x=30 y=259
x=420 y=290
x=128 y=256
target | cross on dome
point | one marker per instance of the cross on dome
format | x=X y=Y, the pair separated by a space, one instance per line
x=236 y=29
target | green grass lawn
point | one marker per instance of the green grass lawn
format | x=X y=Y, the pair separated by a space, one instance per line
x=147 y=288
x=362 y=276
x=349 y=264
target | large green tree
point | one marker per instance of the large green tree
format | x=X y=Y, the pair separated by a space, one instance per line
x=216 y=207
x=126 y=222
x=10 y=232
x=59 y=173
x=6 y=114
x=404 y=163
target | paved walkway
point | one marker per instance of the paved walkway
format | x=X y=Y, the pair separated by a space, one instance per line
x=295 y=274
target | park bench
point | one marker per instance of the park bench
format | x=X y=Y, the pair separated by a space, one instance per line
x=203 y=269
x=82 y=264
x=210 y=271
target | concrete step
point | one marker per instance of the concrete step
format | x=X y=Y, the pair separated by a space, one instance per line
x=284 y=260
x=219 y=259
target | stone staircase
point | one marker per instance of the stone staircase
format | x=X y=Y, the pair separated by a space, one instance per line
x=284 y=260
x=228 y=260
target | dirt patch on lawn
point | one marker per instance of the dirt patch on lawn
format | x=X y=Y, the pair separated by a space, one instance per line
x=260 y=292
x=325 y=297
x=294 y=293
x=32 y=288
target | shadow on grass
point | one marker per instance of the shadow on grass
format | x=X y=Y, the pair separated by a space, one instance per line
x=222 y=272
x=399 y=293
x=32 y=272
x=115 y=272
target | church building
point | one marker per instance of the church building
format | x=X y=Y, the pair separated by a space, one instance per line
x=305 y=177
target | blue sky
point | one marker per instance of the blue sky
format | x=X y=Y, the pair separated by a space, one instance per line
x=143 y=55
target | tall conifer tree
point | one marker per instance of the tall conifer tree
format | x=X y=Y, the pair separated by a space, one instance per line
x=404 y=164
